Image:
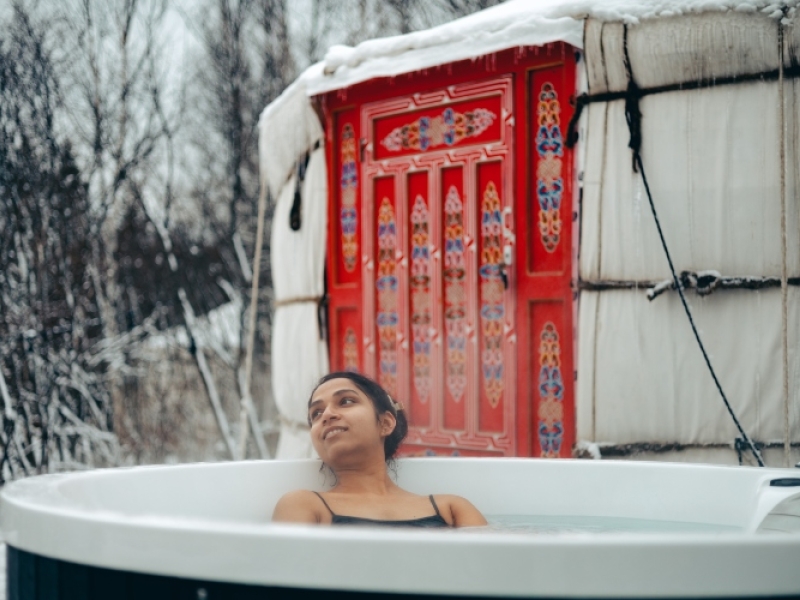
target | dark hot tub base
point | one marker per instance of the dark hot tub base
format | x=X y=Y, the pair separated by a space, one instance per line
x=34 y=577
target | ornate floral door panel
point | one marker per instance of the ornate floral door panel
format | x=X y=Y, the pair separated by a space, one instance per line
x=421 y=299
x=438 y=319
x=344 y=226
x=387 y=307
x=454 y=297
x=491 y=299
x=444 y=127
x=545 y=296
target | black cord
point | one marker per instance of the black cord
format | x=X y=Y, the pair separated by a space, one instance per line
x=637 y=158
x=633 y=116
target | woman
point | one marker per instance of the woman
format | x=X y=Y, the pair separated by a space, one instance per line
x=356 y=429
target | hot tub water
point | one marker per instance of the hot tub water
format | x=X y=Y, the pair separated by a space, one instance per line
x=571 y=524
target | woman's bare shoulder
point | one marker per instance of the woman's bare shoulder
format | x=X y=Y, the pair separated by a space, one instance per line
x=298 y=506
x=452 y=500
x=461 y=511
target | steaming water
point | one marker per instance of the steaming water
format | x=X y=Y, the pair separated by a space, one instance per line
x=581 y=524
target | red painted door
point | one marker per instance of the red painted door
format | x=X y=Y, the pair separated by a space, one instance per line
x=439 y=322
x=433 y=291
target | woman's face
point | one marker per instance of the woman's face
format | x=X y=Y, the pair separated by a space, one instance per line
x=344 y=423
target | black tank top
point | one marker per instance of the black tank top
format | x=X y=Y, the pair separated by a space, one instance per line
x=432 y=521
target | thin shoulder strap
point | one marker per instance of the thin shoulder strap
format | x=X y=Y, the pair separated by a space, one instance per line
x=333 y=514
x=436 y=508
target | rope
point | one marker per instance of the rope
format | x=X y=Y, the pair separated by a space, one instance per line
x=637 y=93
x=600 y=238
x=633 y=116
x=295 y=213
x=610 y=449
x=638 y=160
x=246 y=409
x=784 y=244
x=704 y=282
x=297 y=300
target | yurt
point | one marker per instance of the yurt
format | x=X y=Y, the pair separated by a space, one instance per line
x=550 y=229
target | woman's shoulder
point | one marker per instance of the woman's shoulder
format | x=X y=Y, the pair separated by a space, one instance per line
x=297 y=506
x=451 y=500
x=299 y=496
x=461 y=511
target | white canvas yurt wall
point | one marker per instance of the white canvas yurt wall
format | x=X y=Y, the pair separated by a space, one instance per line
x=289 y=131
x=713 y=160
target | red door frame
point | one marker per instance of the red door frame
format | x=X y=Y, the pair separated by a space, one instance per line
x=537 y=290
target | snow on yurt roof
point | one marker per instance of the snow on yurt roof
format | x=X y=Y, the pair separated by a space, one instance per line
x=288 y=127
x=513 y=23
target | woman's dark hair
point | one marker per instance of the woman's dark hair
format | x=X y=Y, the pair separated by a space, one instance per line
x=382 y=402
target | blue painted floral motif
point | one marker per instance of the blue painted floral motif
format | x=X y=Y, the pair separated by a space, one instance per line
x=449 y=129
x=549 y=177
x=551 y=392
x=420 y=299
x=455 y=298
x=492 y=308
x=348 y=214
x=386 y=285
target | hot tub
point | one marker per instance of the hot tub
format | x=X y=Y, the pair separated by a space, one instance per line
x=204 y=531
